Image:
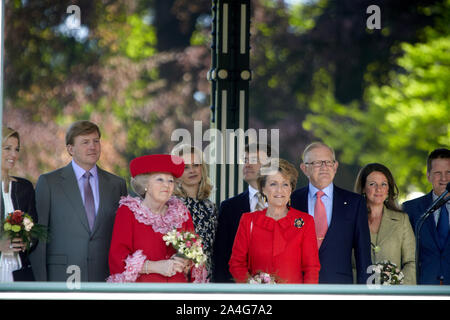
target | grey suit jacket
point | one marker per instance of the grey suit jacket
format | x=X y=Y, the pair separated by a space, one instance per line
x=60 y=207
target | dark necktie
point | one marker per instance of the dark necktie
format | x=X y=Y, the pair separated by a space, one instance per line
x=89 y=203
x=442 y=226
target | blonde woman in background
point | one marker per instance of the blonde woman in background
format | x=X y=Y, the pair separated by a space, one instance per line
x=194 y=188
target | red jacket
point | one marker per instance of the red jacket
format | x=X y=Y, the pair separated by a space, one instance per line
x=133 y=242
x=286 y=249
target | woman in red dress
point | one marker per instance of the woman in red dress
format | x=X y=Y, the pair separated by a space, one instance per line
x=278 y=240
x=138 y=252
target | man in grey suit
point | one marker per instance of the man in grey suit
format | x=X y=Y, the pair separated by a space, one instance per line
x=78 y=203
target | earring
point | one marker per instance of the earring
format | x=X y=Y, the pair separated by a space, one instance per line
x=265 y=198
x=145 y=189
x=289 y=203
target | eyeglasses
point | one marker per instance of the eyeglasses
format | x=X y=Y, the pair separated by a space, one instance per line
x=319 y=163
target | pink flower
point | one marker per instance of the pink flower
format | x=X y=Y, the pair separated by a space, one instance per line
x=188 y=244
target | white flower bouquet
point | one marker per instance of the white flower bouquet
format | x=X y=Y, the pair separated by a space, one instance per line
x=187 y=244
x=261 y=278
x=388 y=273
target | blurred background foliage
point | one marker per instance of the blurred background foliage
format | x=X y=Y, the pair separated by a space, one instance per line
x=138 y=69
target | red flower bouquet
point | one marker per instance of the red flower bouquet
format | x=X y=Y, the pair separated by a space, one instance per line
x=20 y=225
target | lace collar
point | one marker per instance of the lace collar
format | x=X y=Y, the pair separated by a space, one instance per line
x=176 y=214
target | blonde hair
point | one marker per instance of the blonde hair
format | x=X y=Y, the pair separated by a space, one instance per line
x=205 y=186
x=7 y=132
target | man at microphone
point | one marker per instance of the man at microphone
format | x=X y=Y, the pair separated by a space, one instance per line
x=434 y=246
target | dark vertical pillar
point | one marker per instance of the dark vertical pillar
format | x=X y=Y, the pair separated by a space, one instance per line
x=230 y=76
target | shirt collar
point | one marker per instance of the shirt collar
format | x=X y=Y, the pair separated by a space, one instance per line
x=251 y=191
x=433 y=196
x=328 y=190
x=79 y=171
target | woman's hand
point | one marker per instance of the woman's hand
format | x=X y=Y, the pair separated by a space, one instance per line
x=167 y=268
x=182 y=264
x=14 y=245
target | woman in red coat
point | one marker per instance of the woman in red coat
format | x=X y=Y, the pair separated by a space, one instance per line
x=279 y=240
x=138 y=252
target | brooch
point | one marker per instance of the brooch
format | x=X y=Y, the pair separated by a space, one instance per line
x=298 y=223
x=375 y=248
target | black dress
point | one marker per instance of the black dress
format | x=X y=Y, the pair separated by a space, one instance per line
x=204 y=215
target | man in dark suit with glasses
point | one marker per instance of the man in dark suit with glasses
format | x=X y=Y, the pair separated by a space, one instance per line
x=340 y=217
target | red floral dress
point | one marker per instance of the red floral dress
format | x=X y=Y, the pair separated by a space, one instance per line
x=286 y=249
x=137 y=236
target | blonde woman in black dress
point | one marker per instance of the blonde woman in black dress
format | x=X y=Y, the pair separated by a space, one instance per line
x=194 y=188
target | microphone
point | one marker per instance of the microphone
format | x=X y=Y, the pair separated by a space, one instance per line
x=439 y=201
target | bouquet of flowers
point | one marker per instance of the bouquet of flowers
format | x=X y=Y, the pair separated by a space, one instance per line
x=261 y=278
x=388 y=273
x=20 y=225
x=188 y=245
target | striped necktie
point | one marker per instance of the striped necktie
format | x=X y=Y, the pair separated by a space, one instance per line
x=260 y=204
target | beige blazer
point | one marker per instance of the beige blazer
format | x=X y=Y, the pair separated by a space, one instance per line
x=396 y=243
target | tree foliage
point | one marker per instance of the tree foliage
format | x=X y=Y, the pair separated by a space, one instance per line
x=138 y=68
x=401 y=121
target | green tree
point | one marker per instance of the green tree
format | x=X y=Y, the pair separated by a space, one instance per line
x=400 y=122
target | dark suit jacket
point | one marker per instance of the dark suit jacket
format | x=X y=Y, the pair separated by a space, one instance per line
x=230 y=213
x=433 y=260
x=349 y=229
x=22 y=195
x=60 y=207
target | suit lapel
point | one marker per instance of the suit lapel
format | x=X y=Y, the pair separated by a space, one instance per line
x=429 y=223
x=14 y=195
x=70 y=187
x=246 y=201
x=304 y=199
x=388 y=224
x=301 y=200
x=104 y=189
x=336 y=216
